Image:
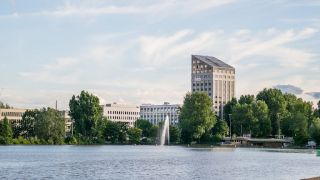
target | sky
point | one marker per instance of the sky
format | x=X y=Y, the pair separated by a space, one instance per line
x=135 y=52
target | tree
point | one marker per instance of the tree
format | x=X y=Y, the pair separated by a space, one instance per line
x=27 y=123
x=227 y=109
x=219 y=131
x=243 y=120
x=145 y=126
x=112 y=131
x=277 y=107
x=134 y=135
x=315 y=130
x=154 y=131
x=5 y=132
x=4 y=106
x=85 y=110
x=196 y=117
x=49 y=126
x=246 y=99
x=261 y=114
x=174 y=134
x=299 y=127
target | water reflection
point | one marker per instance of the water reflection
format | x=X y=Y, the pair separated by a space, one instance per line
x=154 y=162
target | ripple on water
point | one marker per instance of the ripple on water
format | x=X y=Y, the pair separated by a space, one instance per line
x=151 y=162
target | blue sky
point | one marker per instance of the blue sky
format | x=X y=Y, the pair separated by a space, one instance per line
x=139 y=51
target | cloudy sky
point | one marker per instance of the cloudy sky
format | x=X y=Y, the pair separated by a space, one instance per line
x=140 y=51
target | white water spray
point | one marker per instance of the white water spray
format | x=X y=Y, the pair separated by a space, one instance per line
x=165 y=132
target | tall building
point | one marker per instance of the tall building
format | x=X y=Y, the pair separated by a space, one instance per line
x=121 y=113
x=213 y=76
x=13 y=115
x=158 y=113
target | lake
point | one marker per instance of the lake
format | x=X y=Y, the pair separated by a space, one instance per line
x=154 y=162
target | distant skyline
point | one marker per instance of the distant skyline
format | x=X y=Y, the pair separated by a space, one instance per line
x=140 y=51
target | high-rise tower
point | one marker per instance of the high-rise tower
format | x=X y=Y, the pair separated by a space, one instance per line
x=213 y=76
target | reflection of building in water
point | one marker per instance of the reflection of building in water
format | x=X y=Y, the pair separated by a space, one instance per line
x=157 y=113
x=121 y=113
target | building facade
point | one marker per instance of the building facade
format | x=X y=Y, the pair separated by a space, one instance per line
x=158 y=113
x=211 y=75
x=13 y=115
x=121 y=113
x=67 y=122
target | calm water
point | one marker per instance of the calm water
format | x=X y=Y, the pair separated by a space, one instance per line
x=151 y=162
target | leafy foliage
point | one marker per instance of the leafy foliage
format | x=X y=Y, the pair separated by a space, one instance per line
x=174 y=134
x=277 y=106
x=5 y=132
x=49 y=126
x=134 y=135
x=85 y=111
x=197 y=116
x=315 y=130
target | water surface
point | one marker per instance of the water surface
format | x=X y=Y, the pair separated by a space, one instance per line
x=154 y=162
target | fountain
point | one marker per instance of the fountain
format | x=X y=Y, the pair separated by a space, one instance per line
x=165 y=132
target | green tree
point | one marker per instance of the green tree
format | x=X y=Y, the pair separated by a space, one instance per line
x=228 y=108
x=299 y=127
x=277 y=107
x=174 y=134
x=246 y=99
x=261 y=114
x=49 y=126
x=219 y=131
x=243 y=121
x=134 y=135
x=27 y=123
x=5 y=132
x=112 y=131
x=86 y=111
x=196 y=117
x=145 y=126
x=315 y=130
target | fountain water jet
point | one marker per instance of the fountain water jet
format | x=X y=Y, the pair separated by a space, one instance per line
x=165 y=132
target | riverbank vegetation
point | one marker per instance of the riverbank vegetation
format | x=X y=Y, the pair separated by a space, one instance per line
x=269 y=114
x=272 y=113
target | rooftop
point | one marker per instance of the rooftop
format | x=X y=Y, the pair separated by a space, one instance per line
x=212 y=61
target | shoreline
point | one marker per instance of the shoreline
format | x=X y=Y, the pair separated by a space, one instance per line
x=182 y=145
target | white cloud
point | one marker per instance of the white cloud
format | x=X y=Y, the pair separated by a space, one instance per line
x=9 y=16
x=163 y=8
x=156 y=68
x=238 y=46
x=61 y=71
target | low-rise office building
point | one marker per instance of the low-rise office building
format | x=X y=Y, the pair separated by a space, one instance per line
x=14 y=115
x=157 y=113
x=121 y=113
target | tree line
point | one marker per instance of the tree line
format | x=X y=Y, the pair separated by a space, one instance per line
x=268 y=114
x=272 y=113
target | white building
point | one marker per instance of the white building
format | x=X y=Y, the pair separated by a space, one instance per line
x=213 y=76
x=67 y=121
x=121 y=113
x=158 y=113
x=14 y=115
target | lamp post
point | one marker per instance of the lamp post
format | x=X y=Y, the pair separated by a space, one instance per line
x=279 y=130
x=230 y=121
